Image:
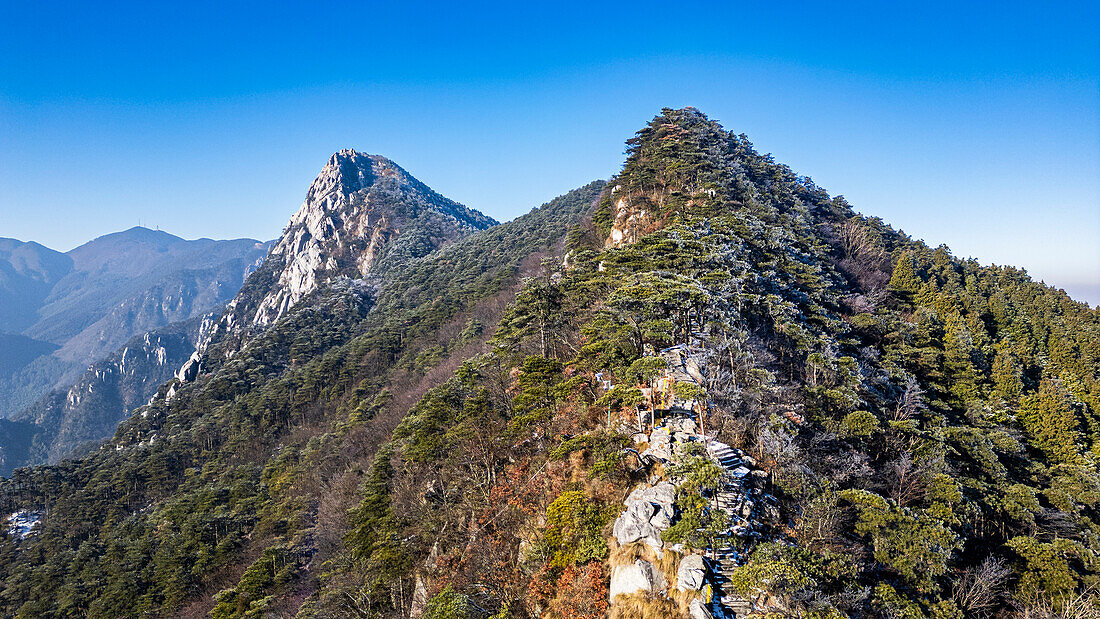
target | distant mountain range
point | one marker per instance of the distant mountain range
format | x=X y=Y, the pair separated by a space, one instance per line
x=61 y=312
x=69 y=420
x=87 y=335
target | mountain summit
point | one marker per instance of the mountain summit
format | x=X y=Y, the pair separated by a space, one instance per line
x=353 y=210
x=359 y=210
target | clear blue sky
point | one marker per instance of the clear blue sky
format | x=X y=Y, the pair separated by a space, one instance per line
x=975 y=126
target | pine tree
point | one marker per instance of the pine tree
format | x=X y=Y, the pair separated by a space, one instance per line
x=904 y=283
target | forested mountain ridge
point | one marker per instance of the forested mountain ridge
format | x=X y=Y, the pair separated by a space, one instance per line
x=451 y=436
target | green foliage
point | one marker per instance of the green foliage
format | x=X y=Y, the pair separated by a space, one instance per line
x=275 y=567
x=1045 y=567
x=1051 y=422
x=860 y=424
x=914 y=544
x=789 y=570
x=574 y=531
x=904 y=282
x=688 y=391
x=447 y=604
x=699 y=520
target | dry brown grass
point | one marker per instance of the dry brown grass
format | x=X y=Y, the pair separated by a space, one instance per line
x=674 y=603
x=641 y=606
x=626 y=555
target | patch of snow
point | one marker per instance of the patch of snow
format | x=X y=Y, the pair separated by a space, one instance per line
x=21 y=523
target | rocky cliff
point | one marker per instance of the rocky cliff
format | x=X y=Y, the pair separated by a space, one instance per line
x=69 y=420
x=362 y=213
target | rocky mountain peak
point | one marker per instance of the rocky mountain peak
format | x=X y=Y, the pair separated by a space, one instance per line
x=359 y=209
x=353 y=210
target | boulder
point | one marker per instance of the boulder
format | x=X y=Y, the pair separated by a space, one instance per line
x=633 y=524
x=660 y=451
x=648 y=512
x=661 y=520
x=190 y=369
x=659 y=435
x=639 y=576
x=699 y=610
x=692 y=573
x=683 y=424
x=663 y=493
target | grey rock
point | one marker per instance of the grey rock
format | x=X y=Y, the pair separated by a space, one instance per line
x=663 y=493
x=691 y=575
x=661 y=520
x=660 y=451
x=698 y=610
x=639 y=577
x=633 y=524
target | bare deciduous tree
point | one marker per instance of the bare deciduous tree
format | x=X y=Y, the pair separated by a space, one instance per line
x=978 y=590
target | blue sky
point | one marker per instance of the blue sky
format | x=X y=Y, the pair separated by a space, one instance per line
x=975 y=126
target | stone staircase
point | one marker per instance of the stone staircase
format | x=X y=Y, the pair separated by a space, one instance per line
x=733 y=497
x=740 y=493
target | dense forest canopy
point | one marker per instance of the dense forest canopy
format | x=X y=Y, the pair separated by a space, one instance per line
x=453 y=438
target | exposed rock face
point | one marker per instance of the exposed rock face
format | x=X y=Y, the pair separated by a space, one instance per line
x=639 y=577
x=699 y=610
x=660 y=445
x=629 y=223
x=648 y=512
x=352 y=211
x=91 y=408
x=360 y=212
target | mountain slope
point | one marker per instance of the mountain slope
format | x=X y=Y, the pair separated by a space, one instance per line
x=66 y=420
x=359 y=345
x=360 y=211
x=705 y=388
x=27 y=273
x=89 y=302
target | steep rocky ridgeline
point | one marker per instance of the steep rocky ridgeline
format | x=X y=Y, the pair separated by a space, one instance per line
x=359 y=210
x=672 y=435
